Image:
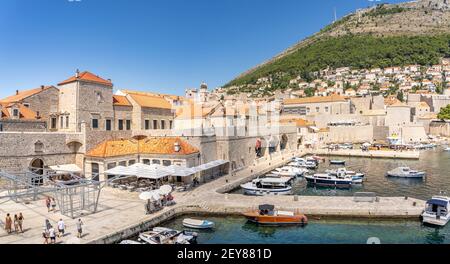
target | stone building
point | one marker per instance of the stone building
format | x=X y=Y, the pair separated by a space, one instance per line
x=328 y=105
x=164 y=151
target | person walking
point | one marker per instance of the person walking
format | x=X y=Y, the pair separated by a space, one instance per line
x=47 y=203
x=8 y=224
x=53 y=204
x=61 y=228
x=52 y=234
x=21 y=218
x=45 y=235
x=47 y=224
x=80 y=228
x=16 y=223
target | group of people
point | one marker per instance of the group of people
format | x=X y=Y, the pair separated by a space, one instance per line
x=155 y=205
x=51 y=204
x=51 y=233
x=17 y=222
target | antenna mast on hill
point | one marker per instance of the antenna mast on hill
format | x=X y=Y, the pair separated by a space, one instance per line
x=335 y=15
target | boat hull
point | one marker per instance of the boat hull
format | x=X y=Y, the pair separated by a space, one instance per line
x=255 y=217
x=410 y=176
x=330 y=183
x=264 y=192
x=433 y=220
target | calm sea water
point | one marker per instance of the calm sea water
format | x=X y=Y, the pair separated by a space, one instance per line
x=436 y=163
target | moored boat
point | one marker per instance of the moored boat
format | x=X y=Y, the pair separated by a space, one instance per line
x=328 y=180
x=290 y=171
x=198 y=224
x=268 y=186
x=437 y=211
x=267 y=215
x=337 y=162
x=357 y=177
x=405 y=172
x=162 y=235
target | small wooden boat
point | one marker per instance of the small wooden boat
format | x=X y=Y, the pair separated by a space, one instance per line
x=267 y=215
x=337 y=162
x=198 y=224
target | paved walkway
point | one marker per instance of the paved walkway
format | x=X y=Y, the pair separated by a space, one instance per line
x=121 y=210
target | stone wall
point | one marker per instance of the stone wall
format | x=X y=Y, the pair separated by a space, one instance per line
x=44 y=102
x=23 y=125
x=440 y=128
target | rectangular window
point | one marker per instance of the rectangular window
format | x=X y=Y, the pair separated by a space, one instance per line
x=128 y=124
x=146 y=161
x=171 y=124
x=53 y=123
x=131 y=162
x=1 y=127
x=155 y=161
x=120 y=124
x=111 y=165
x=62 y=122
x=67 y=122
x=15 y=112
x=147 y=124
x=108 y=125
x=326 y=108
x=163 y=124
x=317 y=109
x=155 y=124
x=94 y=123
x=167 y=163
x=123 y=163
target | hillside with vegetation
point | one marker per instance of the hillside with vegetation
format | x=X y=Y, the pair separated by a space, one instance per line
x=382 y=36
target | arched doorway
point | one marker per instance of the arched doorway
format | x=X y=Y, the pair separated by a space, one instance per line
x=37 y=167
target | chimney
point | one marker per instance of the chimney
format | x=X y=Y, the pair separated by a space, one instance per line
x=42 y=87
x=77 y=74
x=38 y=116
x=177 y=147
x=17 y=92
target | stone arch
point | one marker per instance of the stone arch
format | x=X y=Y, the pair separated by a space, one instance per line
x=74 y=145
x=37 y=166
x=284 y=142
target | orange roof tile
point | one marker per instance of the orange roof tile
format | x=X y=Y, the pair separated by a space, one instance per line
x=119 y=100
x=151 y=101
x=170 y=96
x=316 y=99
x=162 y=146
x=299 y=122
x=21 y=95
x=25 y=113
x=89 y=77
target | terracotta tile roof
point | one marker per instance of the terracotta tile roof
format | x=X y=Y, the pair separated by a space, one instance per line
x=21 y=95
x=119 y=100
x=193 y=110
x=88 y=77
x=168 y=96
x=151 y=101
x=25 y=113
x=391 y=100
x=299 y=122
x=162 y=146
x=315 y=99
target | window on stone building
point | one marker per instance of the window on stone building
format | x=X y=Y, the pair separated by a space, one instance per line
x=171 y=124
x=95 y=170
x=120 y=124
x=327 y=109
x=67 y=121
x=108 y=125
x=163 y=124
x=123 y=163
x=1 y=127
x=111 y=165
x=94 y=123
x=147 y=124
x=155 y=161
x=167 y=163
x=317 y=109
x=53 y=123
x=128 y=124
x=38 y=147
x=62 y=122
x=146 y=161
x=131 y=162
x=26 y=105
x=16 y=112
x=155 y=124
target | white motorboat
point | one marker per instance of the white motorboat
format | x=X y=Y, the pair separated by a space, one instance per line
x=268 y=186
x=406 y=172
x=198 y=224
x=162 y=235
x=357 y=177
x=337 y=162
x=437 y=211
x=328 y=180
x=290 y=171
x=302 y=163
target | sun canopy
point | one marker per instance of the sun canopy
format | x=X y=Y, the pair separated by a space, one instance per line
x=180 y=171
x=140 y=170
x=437 y=202
x=210 y=165
x=66 y=168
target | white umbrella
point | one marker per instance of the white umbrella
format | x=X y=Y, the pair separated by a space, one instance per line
x=153 y=171
x=181 y=171
x=146 y=195
x=155 y=195
x=165 y=189
x=119 y=170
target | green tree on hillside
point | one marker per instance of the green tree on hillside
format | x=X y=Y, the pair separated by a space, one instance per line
x=444 y=114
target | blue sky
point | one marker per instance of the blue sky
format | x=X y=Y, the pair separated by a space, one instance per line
x=155 y=45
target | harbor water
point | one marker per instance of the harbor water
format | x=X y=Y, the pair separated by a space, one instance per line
x=436 y=163
x=237 y=230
